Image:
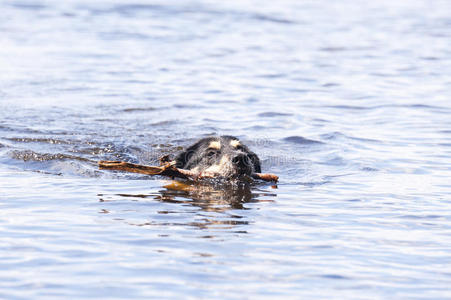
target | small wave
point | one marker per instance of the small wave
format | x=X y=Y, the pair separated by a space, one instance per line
x=134 y=9
x=369 y=169
x=349 y=107
x=301 y=140
x=334 y=161
x=130 y=9
x=430 y=58
x=340 y=136
x=333 y=49
x=272 y=19
x=332 y=135
x=330 y=84
x=164 y=123
x=272 y=75
x=257 y=128
x=271 y=114
x=29 y=6
x=139 y=109
x=21 y=129
x=335 y=276
x=38 y=140
x=28 y=155
x=188 y=106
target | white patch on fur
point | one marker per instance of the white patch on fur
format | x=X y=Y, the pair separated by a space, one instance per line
x=235 y=143
x=215 y=145
x=224 y=167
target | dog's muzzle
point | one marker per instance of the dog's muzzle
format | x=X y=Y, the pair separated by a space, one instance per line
x=243 y=164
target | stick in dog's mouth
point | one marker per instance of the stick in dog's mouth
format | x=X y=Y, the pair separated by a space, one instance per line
x=170 y=170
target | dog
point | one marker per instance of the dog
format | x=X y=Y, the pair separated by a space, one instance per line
x=225 y=156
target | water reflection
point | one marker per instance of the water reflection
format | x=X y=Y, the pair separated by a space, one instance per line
x=203 y=205
x=218 y=198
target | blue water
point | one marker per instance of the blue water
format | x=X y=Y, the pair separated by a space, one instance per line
x=349 y=102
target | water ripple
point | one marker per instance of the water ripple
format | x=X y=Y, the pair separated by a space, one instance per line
x=301 y=140
x=348 y=104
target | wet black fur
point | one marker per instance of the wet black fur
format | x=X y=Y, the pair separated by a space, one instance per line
x=199 y=155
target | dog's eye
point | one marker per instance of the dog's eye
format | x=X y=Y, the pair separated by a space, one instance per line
x=239 y=147
x=211 y=153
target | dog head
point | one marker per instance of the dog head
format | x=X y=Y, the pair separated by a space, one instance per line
x=224 y=155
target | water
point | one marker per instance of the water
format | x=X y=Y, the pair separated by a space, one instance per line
x=348 y=102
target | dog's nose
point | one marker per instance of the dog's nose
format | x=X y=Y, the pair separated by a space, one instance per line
x=241 y=160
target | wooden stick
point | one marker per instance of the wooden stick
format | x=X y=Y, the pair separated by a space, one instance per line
x=170 y=170
x=265 y=176
x=167 y=169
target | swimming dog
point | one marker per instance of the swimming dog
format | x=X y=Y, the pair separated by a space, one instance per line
x=225 y=156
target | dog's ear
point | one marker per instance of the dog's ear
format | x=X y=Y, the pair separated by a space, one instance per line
x=255 y=162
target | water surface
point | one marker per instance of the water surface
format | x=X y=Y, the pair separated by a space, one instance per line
x=348 y=102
